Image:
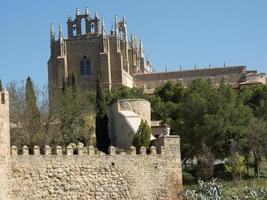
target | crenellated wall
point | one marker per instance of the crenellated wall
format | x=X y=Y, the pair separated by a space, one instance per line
x=86 y=173
x=93 y=175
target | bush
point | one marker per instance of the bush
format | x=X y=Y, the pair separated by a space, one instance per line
x=142 y=136
x=205 y=191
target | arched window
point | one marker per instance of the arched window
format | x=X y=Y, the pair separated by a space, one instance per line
x=92 y=28
x=85 y=66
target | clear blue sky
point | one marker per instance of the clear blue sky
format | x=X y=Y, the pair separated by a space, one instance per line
x=175 y=32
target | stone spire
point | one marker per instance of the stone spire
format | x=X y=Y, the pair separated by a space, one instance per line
x=96 y=15
x=141 y=49
x=103 y=29
x=86 y=10
x=60 y=34
x=61 y=40
x=77 y=11
x=52 y=32
x=116 y=26
x=125 y=29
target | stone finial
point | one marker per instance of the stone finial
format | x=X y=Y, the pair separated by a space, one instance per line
x=143 y=151
x=116 y=26
x=59 y=150
x=60 y=34
x=132 y=150
x=112 y=150
x=77 y=11
x=96 y=15
x=124 y=19
x=14 y=151
x=91 y=151
x=36 y=150
x=153 y=150
x=69 y=150
x=86 y=10
x=102 y=153
x=69 y=18
x=25 y=150
x=47 y=150
x=162 y=150
x=141 y=49
x=52 y=32
x=81 y=150
x=103 y=29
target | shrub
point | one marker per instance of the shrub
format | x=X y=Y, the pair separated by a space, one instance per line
x=205 y=191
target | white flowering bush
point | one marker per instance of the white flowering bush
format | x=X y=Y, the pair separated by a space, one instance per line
x=205 y=191
x=255 y=193
x=213 y=191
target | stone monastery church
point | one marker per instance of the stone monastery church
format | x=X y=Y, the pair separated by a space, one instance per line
x=90 y=51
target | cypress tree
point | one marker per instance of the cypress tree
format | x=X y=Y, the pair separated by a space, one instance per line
x=74 y=84
x=1 y=87
x=142 y=136
x=32 y=119
x=102 y=135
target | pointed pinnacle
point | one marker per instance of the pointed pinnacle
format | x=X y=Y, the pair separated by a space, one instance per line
x=77 y=11
x=86 y=10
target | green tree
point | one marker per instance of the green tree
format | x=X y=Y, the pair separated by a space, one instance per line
x=75 y=111
x=124 y=93
x=32 y=123
x=102 y=131
x=142 y=136
x=257 y=142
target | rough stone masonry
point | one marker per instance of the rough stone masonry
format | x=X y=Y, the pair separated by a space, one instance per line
x=89 y=174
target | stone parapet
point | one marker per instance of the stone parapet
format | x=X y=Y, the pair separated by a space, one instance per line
x=94 y=175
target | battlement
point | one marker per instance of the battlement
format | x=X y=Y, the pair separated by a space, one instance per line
x=4 y=98
x=86 y=151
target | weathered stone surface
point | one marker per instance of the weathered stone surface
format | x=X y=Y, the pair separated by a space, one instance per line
x=95 y=177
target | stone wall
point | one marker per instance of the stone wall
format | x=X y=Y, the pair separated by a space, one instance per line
x=4 y=143
x=150 y=81
x=88 y=174
x=95 y=175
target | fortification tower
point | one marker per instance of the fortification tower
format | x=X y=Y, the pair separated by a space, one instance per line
x=89 y=51
x=4 y=143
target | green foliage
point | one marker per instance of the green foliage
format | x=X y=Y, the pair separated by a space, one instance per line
x=235 y=165
x=166 y=103
x=142 y=136
x=124 y=93
x=256 y=99
x=202 y=113
x=205 y=160
x=102 y=132
x=205 y=191
x=32 y=125
x=215 y=191
x=1 y=86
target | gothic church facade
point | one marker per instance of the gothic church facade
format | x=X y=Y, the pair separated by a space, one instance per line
x=90 y=52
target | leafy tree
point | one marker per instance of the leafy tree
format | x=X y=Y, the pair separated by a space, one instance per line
x=142 y=136
x=102 y=132
x=256 y=99
x=235 y=165
x=205 y=163
x=166 y=103
x=257 y=142
x=75 y=111
x=124 y=93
